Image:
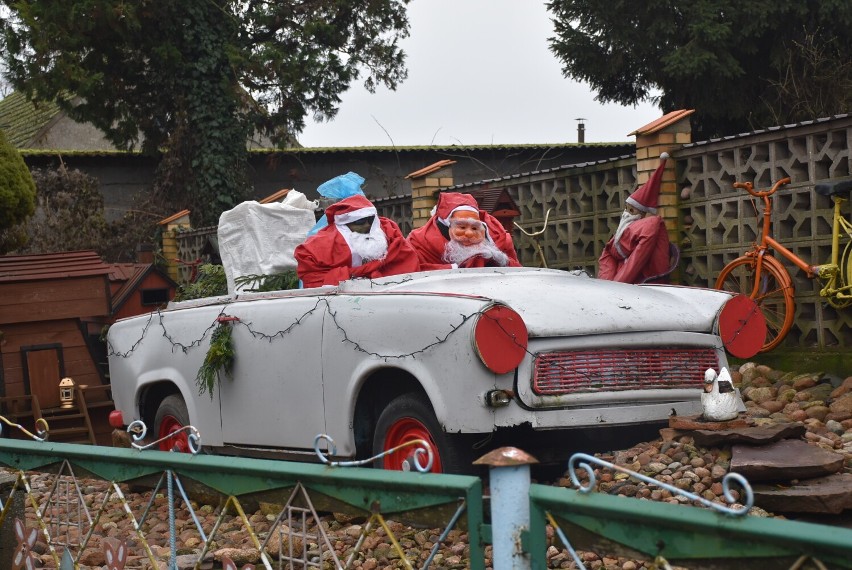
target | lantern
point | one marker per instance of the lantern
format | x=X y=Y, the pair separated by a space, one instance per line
x=66 y=392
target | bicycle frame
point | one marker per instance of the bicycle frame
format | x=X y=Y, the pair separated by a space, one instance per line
x=827 y=272
x=768 y=282
x=831 y=271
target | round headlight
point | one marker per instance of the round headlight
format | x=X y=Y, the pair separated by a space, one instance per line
x=500 y=338
x=742 y=327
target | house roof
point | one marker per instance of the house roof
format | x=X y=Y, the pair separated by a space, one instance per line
x=662 y=122
x=132 y=275
x=51 y=266
x=21 y=119
x=489 y=198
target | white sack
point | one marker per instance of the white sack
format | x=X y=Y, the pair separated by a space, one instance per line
x=259 y=239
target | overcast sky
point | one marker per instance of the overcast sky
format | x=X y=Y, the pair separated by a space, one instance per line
x=479 y=72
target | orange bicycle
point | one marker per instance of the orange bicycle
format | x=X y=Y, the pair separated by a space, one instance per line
x=764 y=279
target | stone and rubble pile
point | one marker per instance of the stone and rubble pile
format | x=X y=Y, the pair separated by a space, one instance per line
x=808 y=410
x=805 y=420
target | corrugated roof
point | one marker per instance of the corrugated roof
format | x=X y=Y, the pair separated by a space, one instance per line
x=51 y=266
x=430 y=169
x=450 y=148
x=662 y=122
x=347 y=149
x=22 y=119
x=771 y=130
x=536 y=172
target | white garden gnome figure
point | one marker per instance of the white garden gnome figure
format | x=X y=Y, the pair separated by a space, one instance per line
x=720 y=400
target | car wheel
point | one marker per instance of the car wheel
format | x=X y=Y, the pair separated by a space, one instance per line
x=171 y=416
x=410 y=417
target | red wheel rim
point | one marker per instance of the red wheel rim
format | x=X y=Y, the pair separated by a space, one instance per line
x=178 y=442
x=404 y=431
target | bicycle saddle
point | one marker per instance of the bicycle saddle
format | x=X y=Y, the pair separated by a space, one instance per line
x=834 y=188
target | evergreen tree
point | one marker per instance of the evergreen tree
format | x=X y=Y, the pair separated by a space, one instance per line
x=17 y=197
x=195 y=78
x=733 y=61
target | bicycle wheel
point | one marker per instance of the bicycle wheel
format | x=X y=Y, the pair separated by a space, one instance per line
x=845 y=279
x=774 y=295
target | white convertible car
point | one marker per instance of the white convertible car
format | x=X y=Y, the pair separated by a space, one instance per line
x=465 y=359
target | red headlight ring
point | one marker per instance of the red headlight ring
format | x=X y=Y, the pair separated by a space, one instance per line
x=500 y=338
x=742 y=327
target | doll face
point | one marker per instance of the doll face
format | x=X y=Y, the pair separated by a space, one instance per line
x=466 y=228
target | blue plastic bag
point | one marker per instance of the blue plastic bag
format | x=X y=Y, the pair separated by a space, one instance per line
x=339 y=187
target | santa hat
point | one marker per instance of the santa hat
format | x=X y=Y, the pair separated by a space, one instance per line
x=451 y=202
x=647 y=196
x=349 y=210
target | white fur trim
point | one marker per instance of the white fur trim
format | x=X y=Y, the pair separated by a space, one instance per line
x=639 y=206
x=664 y=156
x=353 y=216
x=446 y=221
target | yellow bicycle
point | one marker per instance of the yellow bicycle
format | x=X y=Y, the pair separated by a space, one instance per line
x=764 y=279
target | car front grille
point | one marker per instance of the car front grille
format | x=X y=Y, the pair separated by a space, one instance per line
x=582 y=371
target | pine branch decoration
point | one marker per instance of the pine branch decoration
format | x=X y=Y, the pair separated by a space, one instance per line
x=220 y=357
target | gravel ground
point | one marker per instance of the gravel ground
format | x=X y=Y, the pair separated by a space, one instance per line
x=823 y=405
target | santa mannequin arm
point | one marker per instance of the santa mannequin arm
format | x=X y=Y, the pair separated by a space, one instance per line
x=636 y=261
x=502 y=239
x=607 y=264
x=323 y=276
x=316 y=263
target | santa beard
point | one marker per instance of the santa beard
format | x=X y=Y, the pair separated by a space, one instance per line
x=367 y=247
x=455 y=252
x=626 y=219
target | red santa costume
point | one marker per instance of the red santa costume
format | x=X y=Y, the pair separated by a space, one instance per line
x=431 y=241
x=336 y=253
x=639 y=250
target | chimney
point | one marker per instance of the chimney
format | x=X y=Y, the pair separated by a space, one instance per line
x=581 y=130
x=145 y=253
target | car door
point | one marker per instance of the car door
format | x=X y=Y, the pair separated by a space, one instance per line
x=275 y=398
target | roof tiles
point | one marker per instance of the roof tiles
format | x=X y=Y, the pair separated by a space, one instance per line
x=51 y=266
x=21 y=119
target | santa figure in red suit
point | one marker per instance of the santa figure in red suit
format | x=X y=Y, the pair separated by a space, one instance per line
x=639 y=250
x=459 y=234
x=355 y=243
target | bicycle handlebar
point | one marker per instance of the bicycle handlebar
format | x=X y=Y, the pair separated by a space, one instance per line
x=749 y=187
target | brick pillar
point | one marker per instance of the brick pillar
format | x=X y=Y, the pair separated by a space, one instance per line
x=425 y=184
x=171 y=226
x=666 y=134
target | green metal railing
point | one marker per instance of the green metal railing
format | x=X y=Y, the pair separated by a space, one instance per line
x=423 y=499
x=689 y=536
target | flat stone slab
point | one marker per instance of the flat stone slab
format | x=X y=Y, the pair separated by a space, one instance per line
x=784 y=461
x=697 y=423
x=751 y=435
x=831 y=494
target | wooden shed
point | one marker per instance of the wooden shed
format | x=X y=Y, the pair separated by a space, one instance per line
x=53 y=308
x=138 y=288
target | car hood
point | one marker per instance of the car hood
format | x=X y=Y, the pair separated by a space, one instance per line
x=563 y=303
